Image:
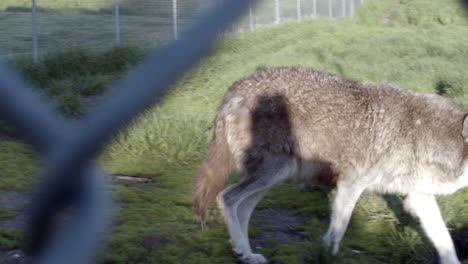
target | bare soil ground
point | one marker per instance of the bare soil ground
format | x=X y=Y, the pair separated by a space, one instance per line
x=278 y=225
x=14 y=201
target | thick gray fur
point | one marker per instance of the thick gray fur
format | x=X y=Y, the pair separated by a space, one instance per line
x=327 y=130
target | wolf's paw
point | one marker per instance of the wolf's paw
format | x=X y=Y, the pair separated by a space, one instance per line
x=330 y=245
x=449 y=259
x=238 y=249
x=253 y=259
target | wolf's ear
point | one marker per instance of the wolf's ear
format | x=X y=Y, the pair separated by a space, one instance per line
x=465 y=128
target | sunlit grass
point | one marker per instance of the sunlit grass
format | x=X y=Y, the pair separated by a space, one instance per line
x=155 y=222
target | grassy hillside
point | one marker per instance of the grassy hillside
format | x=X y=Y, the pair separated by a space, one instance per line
x=422 y=13
x=155 y=222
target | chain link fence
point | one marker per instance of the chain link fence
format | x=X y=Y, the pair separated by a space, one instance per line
x=72 y=184
x=36 y=27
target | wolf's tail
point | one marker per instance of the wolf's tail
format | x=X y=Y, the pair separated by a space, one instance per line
x=214 y=172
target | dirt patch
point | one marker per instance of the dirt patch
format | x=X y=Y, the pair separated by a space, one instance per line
x=14 y=257
x=128 y=178
x=278 y=225
x=154 y=241
x=5 y=137
x=15 y=222
x=14 y=201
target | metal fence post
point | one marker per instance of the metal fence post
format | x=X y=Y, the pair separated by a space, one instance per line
x=117 y=22
x=277 y=12
x=34 y=31
x=330 y=8
x=343 y=8
x=174 y=18
x=251 y=18
x=314 y=8
x=299 y=13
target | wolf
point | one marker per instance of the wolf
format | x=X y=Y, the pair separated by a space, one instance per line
x=353 y=136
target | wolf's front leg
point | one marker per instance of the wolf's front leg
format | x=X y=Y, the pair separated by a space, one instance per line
x=343 y=205
x=424 y=206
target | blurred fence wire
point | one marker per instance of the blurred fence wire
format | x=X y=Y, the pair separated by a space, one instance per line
x=71 y=183
x=101 y=24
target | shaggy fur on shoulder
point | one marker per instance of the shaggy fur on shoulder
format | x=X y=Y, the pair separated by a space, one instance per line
x=354 y=136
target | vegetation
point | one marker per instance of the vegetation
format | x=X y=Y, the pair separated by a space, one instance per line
x=5 y=214
x=17 y=162
x=10 y=239
x=419 y=13
x=73 y=77
x=127 y=7
x=155 y=222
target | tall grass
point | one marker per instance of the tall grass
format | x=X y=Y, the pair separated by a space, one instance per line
x=156 y=224
x=421 y=13
x=72 y=77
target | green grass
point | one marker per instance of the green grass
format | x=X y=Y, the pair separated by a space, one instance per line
x=17 y=163
x=10 y=239
x=87 y=4
x=78 y=30
x=73 y=77
x=157 y=8
x=421 y=13
x=155 y=222
x=5 y=214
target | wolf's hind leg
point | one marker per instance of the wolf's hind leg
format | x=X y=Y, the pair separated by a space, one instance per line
x=240 y=199
x=424 y=206
x=245 y=209
x=343 y=206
